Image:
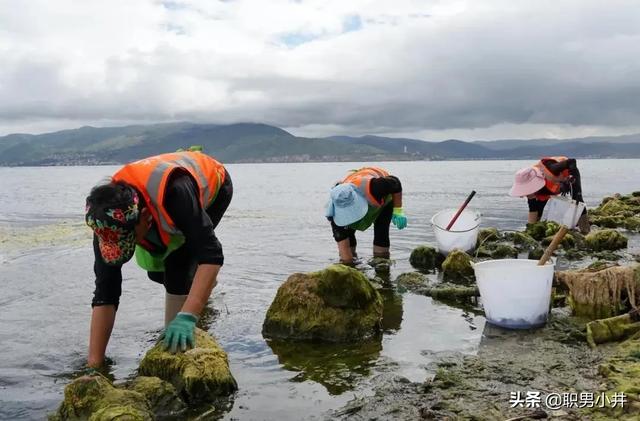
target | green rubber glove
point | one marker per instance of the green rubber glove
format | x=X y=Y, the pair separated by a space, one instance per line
x=398 y=218
x=180 y=332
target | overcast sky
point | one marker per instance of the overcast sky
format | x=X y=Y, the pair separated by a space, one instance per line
x=426 y=69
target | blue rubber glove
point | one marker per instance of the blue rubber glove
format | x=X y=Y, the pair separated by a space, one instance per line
x=398 y=218
x=180 y=332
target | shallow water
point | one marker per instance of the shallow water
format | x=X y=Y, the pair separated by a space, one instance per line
x=274 y=227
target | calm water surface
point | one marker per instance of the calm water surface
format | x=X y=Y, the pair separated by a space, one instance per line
x=274 y=227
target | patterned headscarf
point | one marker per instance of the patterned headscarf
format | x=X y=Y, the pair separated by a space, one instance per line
x=115 y=228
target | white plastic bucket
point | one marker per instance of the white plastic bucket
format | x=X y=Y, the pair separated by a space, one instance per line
x=463 y=234
x=563 y=210
x=515 y=292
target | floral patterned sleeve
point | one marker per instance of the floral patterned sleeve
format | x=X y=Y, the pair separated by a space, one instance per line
x=108 y=280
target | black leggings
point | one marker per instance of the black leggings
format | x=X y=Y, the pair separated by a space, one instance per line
x=180 y=266
x=380 y=229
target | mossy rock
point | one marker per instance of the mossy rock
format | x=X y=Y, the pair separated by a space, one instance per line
x=524 y=241
x=457 y=266
x=611 y=329
x=425 y=258
x=381 y=264
x=607 y=221
x=337 y=304
x=411 y=281
x=497 y=251
x=542 y=229
x=607 y=239
x=535 y=254
x=614 y=207
x=632 y=223
x=95 y=398
x=487 y=235
x=160 y=394
x=449 y=292
x=200 y=374
x=567 y=242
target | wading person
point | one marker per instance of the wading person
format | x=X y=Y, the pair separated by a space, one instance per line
x=367 y=196
x=163 y=209
x=549 y=177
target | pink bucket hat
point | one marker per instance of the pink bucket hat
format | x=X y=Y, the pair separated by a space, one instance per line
x=527 y=181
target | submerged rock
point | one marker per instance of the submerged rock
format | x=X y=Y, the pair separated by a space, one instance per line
x=424 y=258
x=457 y=266
x=200 y=374
x=602 y=293
x=536 y=254
x=497 y=251
x=95 y=398
x=160 y=394
x=411 y=280
x=337 y=304
x=607 y=239
x=381 y=264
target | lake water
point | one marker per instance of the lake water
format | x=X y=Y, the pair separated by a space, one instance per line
x=273 y=228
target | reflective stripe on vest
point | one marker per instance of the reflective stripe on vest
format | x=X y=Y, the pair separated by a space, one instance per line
x=149 y=176
x=551 y=181
x=362 y=180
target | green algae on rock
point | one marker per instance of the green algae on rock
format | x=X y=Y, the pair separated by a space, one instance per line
x=497 y=251
x=160 y=394
x=457 y=266
x=602 y=293
x=381 y=264
x=607 y=239
x=535 y=254
x=567 y=242
x=487 y=235
x=424 y=258
x=95 y=398
x=411 y=280
x=542 y=229
x=612 y=329
x=200 y=374
x=337 y=304
x=522 y=240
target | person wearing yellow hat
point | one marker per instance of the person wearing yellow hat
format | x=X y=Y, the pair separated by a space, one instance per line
x=549 y=177
x=368 y=196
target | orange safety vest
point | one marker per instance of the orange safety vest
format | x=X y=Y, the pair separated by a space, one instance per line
x=552 y=182
x=149 y=176
x=362 y=180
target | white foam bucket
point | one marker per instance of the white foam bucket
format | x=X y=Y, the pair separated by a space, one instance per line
x=463 y=234
x=563 y=210
x=515 y=293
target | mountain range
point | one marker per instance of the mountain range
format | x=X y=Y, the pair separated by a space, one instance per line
x=251 y=142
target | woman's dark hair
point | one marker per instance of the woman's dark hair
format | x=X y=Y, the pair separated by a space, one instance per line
x=110 y=195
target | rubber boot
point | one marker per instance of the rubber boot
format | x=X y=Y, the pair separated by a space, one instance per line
x=172 y=305
x=381 y=252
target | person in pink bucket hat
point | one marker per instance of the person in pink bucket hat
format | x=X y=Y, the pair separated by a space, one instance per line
x=549 y=177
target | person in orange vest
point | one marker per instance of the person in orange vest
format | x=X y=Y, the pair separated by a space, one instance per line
x=368 y=196
x=549 y=177
x=163 y=209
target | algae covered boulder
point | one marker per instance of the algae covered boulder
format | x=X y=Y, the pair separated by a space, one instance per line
x=424 y=258
x=487 y=235
x=602 y=293
x=567 y=242
x=607 y=239
x=613 y=329
x=337 y=304
x=95 y=398
x=497 y=251
x=522 y=240
x=200 y=374
x=457 y=266
x=542 y=229
x=161 y=395
x=411 y=281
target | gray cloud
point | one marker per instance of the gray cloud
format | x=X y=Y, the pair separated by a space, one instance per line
x=454 y=66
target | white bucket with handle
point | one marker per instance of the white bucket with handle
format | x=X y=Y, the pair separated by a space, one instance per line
x=515 y=293
x=462 y=235
x=563 y=210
